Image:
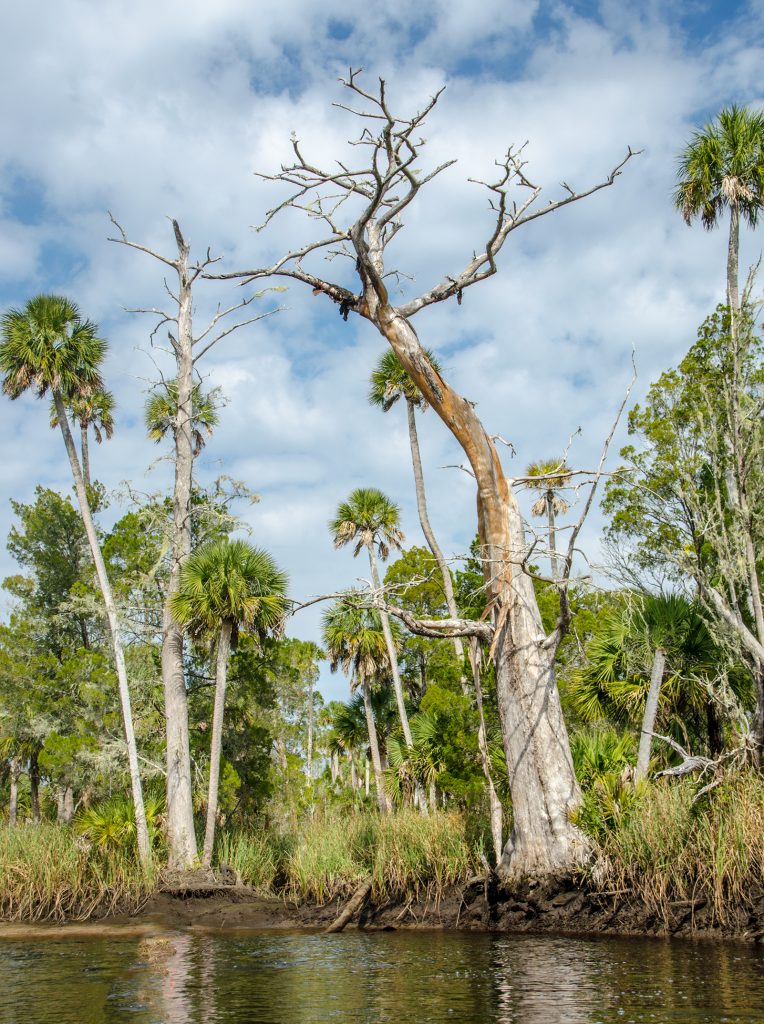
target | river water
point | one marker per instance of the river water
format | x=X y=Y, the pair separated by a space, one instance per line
x=376 y=977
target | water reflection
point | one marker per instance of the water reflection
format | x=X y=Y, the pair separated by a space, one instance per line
x=358 y=978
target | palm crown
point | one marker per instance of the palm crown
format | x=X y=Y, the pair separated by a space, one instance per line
x=162 y=410
x=368 y=517
x=354 y=640
x=94 y=410
x=722 y=166
x=547 y=483
x=234 y=582
x=48 y=346
x=389 y=382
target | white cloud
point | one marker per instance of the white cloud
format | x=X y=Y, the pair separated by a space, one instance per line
x=168 y=109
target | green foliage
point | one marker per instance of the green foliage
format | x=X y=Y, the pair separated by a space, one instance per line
x=230 y=581
x=389 y=382
x=162 y=411
x=722 y=166
x=48 y=346
x=368 y=518
x=110 y=826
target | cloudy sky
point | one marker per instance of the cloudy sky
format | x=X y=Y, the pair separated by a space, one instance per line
x=157 y=110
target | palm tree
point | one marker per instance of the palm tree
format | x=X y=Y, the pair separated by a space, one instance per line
x=225 y=587
x=95 y=410
x=48 y=347
x=722 y=167
x=372 y=521
x=547 y=478
x=354 y=639
x=389 y=382
x=162 y=410
x=627 y=660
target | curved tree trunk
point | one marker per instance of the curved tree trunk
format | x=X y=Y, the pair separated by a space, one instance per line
x=419 y=795
x=376 y=760
x=651 y=710
x=111 y=615
x=543 y=783
x=216 y=744
x=495 y=808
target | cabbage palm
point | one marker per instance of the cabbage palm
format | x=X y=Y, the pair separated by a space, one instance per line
x=225 y=587
x=95 y=410
x=355 y=641
x=48 y=347
x=722 y=168
x=547 y=478
x=657 y=649
x=162 y=410
x=370 y=520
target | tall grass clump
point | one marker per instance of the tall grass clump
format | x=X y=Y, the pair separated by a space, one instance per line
x=48 y=874
x=670 y=849
x=255 y=858
x=405 y=855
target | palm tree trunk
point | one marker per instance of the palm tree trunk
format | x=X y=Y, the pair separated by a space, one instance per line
x=13 y=801
x=85 y=449
x=366 y=776
x=379 y=779
x=733 y=253
x=651 y=710
x=34 y=786
x=216 y=745
x=495 y=810
x=448 y=590
x=419 y=796
x=309 y=765
x=553 y=562
x=111 y=615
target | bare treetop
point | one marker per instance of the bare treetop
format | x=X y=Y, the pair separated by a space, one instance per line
x=386 y=182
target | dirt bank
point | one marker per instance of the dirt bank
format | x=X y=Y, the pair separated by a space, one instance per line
x=563 y=907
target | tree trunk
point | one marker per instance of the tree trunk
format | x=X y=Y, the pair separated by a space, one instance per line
x=180 y=805
x=714 y=730
x=553 y=562
x=216 y=744
x=353 y=773
x=448 y=590
x=34 y=787
x=419 y=796
x=382 y=798
x=13 y=801
x=495 y=810
x=309 y=765
x=543 y=784
x=366 y=776
x=111 y=615
x=85 y=449
x=651 y=710
x=733 y=251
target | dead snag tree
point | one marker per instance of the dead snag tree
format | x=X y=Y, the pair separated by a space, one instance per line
x=362 y=209
x=188 y=348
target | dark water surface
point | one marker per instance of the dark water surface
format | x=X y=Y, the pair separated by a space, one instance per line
x=378 y=977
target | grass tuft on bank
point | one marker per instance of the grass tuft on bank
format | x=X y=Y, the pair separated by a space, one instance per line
x=48 y=874
x=670 y=850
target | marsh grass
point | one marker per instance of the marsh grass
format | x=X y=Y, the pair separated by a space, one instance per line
x=405 y=855
x=46 y=874
x=670 y=851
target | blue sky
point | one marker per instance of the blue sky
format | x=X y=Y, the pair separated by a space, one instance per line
x=165 y=110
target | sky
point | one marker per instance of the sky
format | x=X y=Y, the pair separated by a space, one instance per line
x=155 y=111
